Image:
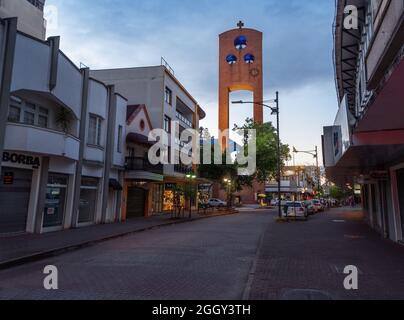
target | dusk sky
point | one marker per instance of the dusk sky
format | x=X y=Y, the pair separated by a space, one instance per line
x=297 y=51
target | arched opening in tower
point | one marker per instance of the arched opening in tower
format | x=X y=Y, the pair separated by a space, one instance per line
x=240 y=112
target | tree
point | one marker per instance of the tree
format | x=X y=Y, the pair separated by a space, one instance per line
x=267 y=157
x=337 y=193
x=267 y=149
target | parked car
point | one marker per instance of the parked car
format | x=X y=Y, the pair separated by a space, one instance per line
x=275 y=202
x=216 y=203
x=317 y=205
x=310 y=207
x=295 y=209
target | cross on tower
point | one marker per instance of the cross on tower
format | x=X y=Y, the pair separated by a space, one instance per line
x=240 y=24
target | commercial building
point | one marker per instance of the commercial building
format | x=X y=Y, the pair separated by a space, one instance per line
x=297 y=183
x=142 y=186
x=61 y=138
x=365 y=145
x=170 y=107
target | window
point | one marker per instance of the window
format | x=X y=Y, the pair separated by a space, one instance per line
x=43 y=117
x=94 y=130
x=120 y=132
x=168 y=96
x=167 y=124
x=14 y=114
x=28 y=113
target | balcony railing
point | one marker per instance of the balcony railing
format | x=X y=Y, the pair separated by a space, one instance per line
x=142 y=164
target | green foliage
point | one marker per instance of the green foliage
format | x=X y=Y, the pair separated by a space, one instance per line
x=267 y=157
x=337 y=193
x=267 y=149
x=64 y=118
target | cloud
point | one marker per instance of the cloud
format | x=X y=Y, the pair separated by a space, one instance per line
x=127 y=33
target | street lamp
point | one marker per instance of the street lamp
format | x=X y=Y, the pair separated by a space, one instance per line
x=190 y=177
x=228 y=186
x=275 y=111
x=314 y=153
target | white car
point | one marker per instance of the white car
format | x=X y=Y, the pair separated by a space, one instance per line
x=296 y=209
x=318 y=207
x=216 y=203
x=275 y=202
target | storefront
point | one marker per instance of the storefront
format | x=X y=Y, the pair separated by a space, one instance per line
x=88 y=200
x=15 y=192
x=55 y=202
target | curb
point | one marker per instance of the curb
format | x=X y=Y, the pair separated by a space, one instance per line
x=59 y=251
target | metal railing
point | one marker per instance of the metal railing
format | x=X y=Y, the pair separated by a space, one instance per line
x=142 y=164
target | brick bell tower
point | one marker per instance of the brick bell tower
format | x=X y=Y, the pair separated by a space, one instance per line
x=240 y=68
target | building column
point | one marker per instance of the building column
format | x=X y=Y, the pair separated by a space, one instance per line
x=8 y=51
x=109 y=150
x=43 y=183
x=82 y=137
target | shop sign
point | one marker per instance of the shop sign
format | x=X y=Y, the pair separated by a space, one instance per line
x=22 y=159
x=8 y=178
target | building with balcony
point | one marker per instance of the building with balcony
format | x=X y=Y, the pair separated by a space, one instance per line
x=170 y=107
x=143 y=181
x=61 y=139
x=365 y=145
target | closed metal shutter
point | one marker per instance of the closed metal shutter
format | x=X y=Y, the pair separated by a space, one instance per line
x=14 y=200
x=400 y=185
x=136 y=202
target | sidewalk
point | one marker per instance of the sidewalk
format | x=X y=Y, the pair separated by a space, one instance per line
x=24 y=248
x=306 y=260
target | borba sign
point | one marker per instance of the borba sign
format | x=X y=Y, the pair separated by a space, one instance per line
x=16 y=158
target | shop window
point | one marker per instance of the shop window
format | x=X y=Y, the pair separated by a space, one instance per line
x=94 y=130
x=88 y=200
x=55 y=200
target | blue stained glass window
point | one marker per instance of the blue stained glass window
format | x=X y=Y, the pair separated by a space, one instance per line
x=240 y=42
x=231 y=59
x=249 y=58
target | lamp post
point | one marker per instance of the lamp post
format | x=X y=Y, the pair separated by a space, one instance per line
x=275 y=111
x=314 y=153
x=228 y=189
x=190 y=177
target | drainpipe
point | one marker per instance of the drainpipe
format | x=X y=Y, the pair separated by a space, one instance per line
x=8 y=50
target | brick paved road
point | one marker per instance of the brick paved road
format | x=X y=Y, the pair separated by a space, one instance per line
x=206 y=259
x=312 y=256
x=213 y=258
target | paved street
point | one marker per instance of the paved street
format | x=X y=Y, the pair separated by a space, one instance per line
x=213 y=259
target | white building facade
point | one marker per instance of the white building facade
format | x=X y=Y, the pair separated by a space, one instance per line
x=61 y=139
x=170 y=107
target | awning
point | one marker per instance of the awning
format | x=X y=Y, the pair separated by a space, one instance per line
x=114 y=184
x=139 y=138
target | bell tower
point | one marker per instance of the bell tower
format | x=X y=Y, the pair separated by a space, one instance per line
x=240 y=68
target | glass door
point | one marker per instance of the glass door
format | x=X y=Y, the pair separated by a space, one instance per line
x=55 y=201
